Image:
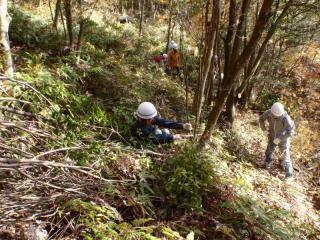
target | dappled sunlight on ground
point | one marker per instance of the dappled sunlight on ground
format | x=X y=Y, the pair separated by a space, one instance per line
x=269 y=186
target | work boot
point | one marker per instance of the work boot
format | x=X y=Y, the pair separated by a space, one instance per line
x=268 y=165
x=288 y=177
x=289 y=170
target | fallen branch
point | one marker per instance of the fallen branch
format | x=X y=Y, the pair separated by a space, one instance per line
x=2 y=78
x=27 y=130
x=15 y=163
x=49 y=184
x=57 y=150
x=14 y=99
x=15 y=111
x=16 y=150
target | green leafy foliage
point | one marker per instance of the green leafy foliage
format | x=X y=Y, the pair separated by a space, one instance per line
x=100 y=222
x=113 y=36
x=122 y=119
x=187 y=177
x=266 y=99
x=32 y=31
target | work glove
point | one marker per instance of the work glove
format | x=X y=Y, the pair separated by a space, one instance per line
x=177 y=137
x=187 y=126
x=166 y=131
x=277 y=141
x=157 y=132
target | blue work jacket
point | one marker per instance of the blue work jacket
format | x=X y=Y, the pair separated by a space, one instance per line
x=151 y=132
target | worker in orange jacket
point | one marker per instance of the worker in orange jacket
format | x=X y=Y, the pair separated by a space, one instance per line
x=174 y=59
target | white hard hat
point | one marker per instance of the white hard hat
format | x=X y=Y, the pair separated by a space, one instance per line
x=171 y=44
x=277 y=109
x=175 y=46
x=146 y=110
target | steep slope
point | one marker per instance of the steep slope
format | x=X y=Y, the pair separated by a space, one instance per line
x=70 y=171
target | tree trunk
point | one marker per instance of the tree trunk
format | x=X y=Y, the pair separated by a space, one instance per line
x=230 y=107
x=4 y=39
x=152 y=10
x=50 y=8
x=56 y=15
x=120 y=6
x=229 y=37
x=169 y=25
x=240 y=62
x=141 y=16
x=67 y=7
x=63 y=24
x=80 y=35
x=246 y=95
x=81 y=31
x=256 y=60
x=207 y=58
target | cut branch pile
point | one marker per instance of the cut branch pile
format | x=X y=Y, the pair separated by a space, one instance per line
x=36 y=178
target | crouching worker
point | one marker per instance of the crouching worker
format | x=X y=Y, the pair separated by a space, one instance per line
x=147 y=125
x=281 y=128
x=161 y=59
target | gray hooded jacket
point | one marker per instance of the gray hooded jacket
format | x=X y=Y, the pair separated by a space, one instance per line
x=279 y=127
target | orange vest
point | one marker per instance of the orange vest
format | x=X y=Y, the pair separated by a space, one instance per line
x=174 y=59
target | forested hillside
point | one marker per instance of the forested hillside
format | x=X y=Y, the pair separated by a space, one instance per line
x=160 y=119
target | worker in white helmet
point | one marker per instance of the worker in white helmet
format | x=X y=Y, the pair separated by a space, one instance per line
x=148 y=125
x=281 y=128
x=174 y=60
x=171 y=44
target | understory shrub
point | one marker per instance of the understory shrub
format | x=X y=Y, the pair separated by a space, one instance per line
x=186 y=178
x=266 y=99
x=32 y=31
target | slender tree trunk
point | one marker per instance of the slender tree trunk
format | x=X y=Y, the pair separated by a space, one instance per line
x=67 y=7
x=133 y=8
x=169 y=25
x=229 y=37
x=81 y=33
x=4 y=39
x=259 y=27
x=56 y=14
x=228 y=43
x=256 y=60
x=141 y=16
x=206 y=19
x=220 y=78
x=63 y=24
x=156 y=8
x=120 y=6
x=152 y=9
x=230 y=107
x=207 y=58
x=50 y=8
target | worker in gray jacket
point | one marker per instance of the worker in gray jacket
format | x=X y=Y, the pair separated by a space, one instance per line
x=281 y=128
